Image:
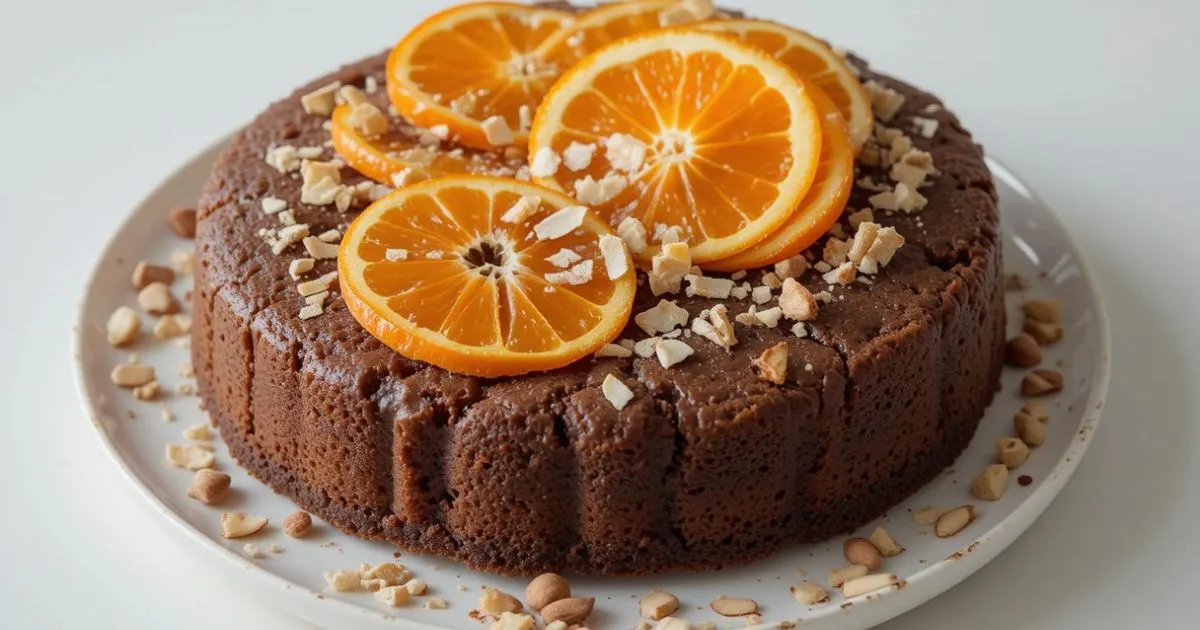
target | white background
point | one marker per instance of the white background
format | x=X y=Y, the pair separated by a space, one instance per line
x=1094 y=102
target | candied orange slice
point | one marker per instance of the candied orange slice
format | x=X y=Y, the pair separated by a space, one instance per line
x=605 y=24
x=813 y=60
x=822 y=205
x=473 y=68
x=401 y=154
x=486 y=276
x=694 y=134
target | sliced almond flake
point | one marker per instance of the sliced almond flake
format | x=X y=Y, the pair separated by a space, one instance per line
x=321 y=193
x=667 y=234
x=821 y=266
x=330 y=236
x=271 y=205
x=396 y=254
x=309 y=153
x=823 y=297
x=317 y=285
x=761 y=294
x=645 y=347
x=737 y=275
x=616 y=392
x=770 y=317
x=560 y=223
x=286 y=218
x=672 y=352
x=800 y=330
x=320 y=249
x=796 y=302
x=309 y=311
x=497 y=131
x=669 y=267
x=843 y=274
x=868 y=183
x=773 y=364
x=592 y=192
x=625 y=153
x=859 y=216
x=407 y=176
x=283 y=158
x=189 y=456
x=927 y=127
x=626 y=343
x=577 y=275
x=864 y=238
x=545 y=163
x=662 y=317
x=749 y=318
x=578 y=156
x=564 y=258
x=614 y=351
x=704 y=286
x=240 y=524
x=321 y=100
x=885 y=101
x=835 y=251
x=317 y=298
x=633 y=233
x=524 y=208
x=907 y=174
x=616 y=261
x=739 y=293
x=919 y=159
x=289 y=236
x=886 y=244
x=793 y=267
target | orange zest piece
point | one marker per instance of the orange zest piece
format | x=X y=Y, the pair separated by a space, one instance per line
x=814 y=61
x=400 y=154
x=447 y=272
x=605 y=24
x=471 y=63
x=712 y=139
x=820 y=208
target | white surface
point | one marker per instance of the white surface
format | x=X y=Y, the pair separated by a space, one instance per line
x=1091 y=102
x=1035 y=246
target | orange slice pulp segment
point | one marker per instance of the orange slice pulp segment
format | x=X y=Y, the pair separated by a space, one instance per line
x=709 y=136
x=822 y=205
x=400 y=149
x=470 y=63
x=815 y=62
x=443 y=272
x=605 y=24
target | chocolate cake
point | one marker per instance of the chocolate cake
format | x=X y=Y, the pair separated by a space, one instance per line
x=708 y=465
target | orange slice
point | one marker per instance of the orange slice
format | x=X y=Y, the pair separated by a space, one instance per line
x=697 y=134
x=595 y=29
x=447 y=272
x=401 y=149
x=810 y=58
x=471 y=63
x=822 y=205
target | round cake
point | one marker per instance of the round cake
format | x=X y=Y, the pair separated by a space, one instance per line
x=708 y=465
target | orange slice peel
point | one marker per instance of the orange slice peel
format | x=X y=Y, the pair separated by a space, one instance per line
x=475 y=64
x=814 y=61
x=694 y=130
x=400 y=155
x=469 y=273
x=596 y=28
x=821 y=207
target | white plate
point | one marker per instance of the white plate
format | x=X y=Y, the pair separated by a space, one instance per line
x=1036 y=244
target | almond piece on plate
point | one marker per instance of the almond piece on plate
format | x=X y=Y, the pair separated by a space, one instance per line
x=734 y=606
x=240 y=524
x=545 y=589
x=658 y=604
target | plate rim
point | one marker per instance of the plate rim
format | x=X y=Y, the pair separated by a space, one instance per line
x=918 y=588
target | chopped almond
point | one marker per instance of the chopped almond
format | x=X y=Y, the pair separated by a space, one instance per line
x=797 y=302
x=669 y=267
x=772 y=363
